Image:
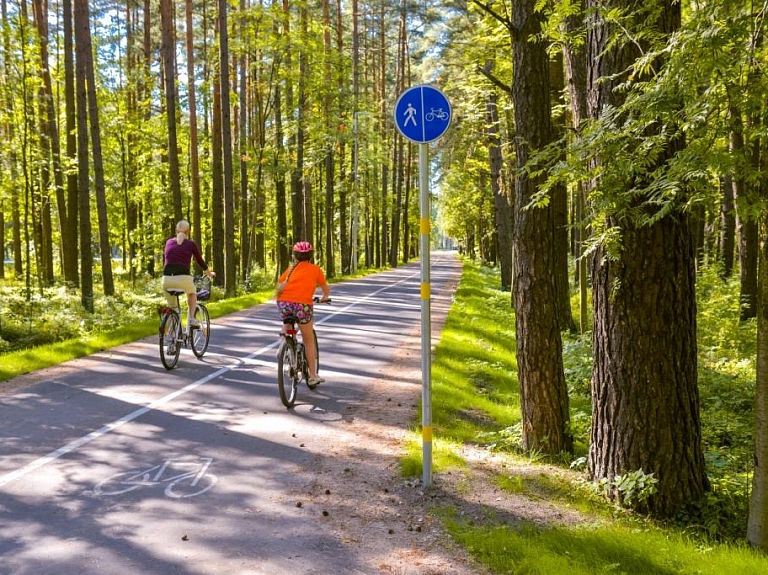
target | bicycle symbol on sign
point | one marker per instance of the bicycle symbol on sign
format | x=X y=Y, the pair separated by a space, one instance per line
x=179 y=485
x=439 y=114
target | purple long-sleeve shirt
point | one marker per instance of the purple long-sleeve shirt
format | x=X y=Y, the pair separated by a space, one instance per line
x=179 y=257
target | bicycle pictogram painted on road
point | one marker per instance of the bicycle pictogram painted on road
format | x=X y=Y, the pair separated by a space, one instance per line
x=179 y=484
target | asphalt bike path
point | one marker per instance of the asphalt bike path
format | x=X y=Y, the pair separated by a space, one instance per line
x=111 y=464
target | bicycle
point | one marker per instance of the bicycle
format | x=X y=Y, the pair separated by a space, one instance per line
x=173 y=337
x=292 y=365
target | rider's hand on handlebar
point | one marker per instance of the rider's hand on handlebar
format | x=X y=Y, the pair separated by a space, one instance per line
x=324 y=299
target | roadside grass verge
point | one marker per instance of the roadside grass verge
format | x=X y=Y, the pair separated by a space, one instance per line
x=532 y=550
x=26 y=360
x=475 y=404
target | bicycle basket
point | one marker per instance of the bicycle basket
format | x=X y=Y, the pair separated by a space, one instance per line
x=203 y=287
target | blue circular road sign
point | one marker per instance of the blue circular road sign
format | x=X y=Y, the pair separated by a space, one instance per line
x=422 y=114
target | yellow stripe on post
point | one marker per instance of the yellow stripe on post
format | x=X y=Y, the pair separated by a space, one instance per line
x=425 y=289
x=426 y=434
x=424 y=226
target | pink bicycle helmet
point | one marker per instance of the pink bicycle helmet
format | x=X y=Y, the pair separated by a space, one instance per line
x=302 y=247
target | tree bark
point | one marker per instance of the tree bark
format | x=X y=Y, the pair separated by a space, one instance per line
x=644 y=380
x=82 y=32
x=757 y=525
x=344 y=243
x=51 y=133
x=283 y=252
x=245 y=207
x=559 y=199
x=746 y=228
x=305 y=214
x=727 y=240
x=543 y=391
x=99 y=185
x=194 y=157
x=503 y=206
x=169 y=65
x=230 y=254
x=217 y=180
x=575 y=63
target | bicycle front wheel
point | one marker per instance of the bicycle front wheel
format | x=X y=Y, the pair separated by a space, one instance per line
x=170 y=344
x=202 y=335
x=317 y=362
x=287 y=374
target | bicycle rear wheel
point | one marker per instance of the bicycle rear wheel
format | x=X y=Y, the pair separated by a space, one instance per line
x=202 y=335
x=287 y=374
x=170 y=346
x=317 y=362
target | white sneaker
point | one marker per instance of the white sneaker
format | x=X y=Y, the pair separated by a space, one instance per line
x=193 y=323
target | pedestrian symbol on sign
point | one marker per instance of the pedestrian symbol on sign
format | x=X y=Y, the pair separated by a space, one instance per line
x=410 y=114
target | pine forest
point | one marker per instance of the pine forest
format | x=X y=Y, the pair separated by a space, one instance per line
x=603 y=155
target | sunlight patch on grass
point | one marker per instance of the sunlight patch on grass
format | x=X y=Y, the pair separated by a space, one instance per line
x=445 y=455
x=529 y=549
x=474 y=373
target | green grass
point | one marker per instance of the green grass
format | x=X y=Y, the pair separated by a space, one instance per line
x=31 y=359
x=475 y=400
x=591 y=549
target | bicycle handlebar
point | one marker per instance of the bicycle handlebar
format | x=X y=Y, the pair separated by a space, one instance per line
x=317 y=300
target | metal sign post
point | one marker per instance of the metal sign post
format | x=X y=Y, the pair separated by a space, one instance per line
x=422 y=114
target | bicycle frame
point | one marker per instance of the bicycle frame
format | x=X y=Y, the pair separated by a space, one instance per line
x=292 y=365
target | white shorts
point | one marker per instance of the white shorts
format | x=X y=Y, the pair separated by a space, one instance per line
x=177 y=282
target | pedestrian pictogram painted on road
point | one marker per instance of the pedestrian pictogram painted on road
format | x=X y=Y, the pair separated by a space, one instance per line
x=422 y=114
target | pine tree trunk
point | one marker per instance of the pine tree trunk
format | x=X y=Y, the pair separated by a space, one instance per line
x=168 y=50
x=230 y=254
x=543 y=391
x=727 y=244
x=746 y=228
x=84 y=196
x=502 y=204
x=559 y=199
x=99 y=185
x=245 y=204
x=644 y=379
x=757 y=525
x=328 y=163
x=9 y=133
x=50 y=132
x=645 y=394
x=194 y=159
x=299 y=185
x=407 y=204
x=217 y=182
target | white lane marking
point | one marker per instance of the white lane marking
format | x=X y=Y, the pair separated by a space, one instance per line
x=112 y=426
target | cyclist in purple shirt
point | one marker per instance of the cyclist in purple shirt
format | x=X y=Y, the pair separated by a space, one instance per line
x=177 y=259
